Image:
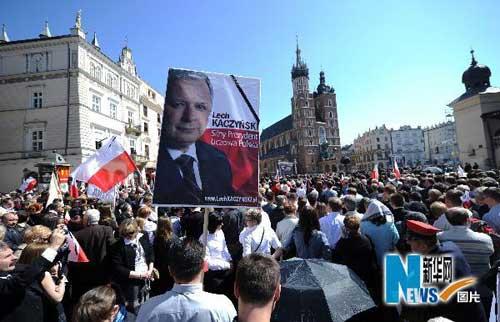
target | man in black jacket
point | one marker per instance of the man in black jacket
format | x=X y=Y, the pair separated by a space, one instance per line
x=96 y=241
x=189 y=171
x=14 y=279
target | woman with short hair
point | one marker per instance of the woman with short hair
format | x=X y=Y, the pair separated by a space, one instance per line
x=132 y=264
x=258 y=238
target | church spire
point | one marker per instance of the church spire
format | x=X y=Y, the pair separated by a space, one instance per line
x=299 y=68
x=297 y=52
x=46 y=31
x=3 y=36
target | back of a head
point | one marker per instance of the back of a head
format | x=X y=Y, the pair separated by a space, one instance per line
x=458 y=216
x=335 y=204
x=415 y=196
x=96 y=305
x=214 y=221
x=493 y=193
x=257 y=278
x=31 y=252
x=312 y=197
x=397 y=200
x=186 y=259
x=350 y=203
x=93 y=216
x=437 y=209
x=280 y=200
x=453 y=197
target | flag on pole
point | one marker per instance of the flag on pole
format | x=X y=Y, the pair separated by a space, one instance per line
x=28 y=184
x=396 y=170
x=54 y=190
x=461 y=172
x=76 y=253
x=110 y=165
x=374 y=173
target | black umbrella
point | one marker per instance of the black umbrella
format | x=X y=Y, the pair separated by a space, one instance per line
x=316 y=290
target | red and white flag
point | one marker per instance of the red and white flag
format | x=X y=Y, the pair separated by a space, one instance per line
x=110 y=165
x=76 y=253
x=396 y=170
x=374 y=173
x=73 y=190
x=28 y=184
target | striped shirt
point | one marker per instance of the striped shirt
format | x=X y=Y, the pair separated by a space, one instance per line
x=476 y=247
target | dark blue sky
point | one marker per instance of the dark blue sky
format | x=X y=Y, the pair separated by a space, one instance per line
x=392 y=62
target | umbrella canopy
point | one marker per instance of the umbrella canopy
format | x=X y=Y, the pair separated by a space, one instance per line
x=316 y=290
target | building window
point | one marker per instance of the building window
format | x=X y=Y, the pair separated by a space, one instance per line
x=158 y=117
x=37 y=140
x=145 y=111
x=146 y=127
x=109 y=80
x=330 y=114
x=130 y=119
x=378 y=139
x=92 y=70
x=112 y=110
x=146 y=151
x=132 y=147
x=37 y=99
x=329 y=102
x=96 y=103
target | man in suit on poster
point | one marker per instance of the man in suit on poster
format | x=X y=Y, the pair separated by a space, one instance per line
x=188 y=170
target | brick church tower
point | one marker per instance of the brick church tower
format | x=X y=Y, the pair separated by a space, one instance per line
x=315 y=137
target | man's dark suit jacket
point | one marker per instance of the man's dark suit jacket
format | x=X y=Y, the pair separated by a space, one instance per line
x=215 y=173
x=96 y=241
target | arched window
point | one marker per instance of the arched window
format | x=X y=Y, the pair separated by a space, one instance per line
x=322 y=135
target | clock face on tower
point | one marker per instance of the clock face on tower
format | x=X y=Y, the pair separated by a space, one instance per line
x=37 y=62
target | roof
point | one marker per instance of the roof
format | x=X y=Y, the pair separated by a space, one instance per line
x=5 y=44
x=279 y=127
x=488 y=90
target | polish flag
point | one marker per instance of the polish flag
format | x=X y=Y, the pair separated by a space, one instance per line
x=396 y=170
x=76 y=253
x=28 y=184
x=110 y=165
x=73 y=190
x=374 y=173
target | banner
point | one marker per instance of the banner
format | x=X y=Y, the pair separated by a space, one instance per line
x=209 y=144
x=95 y=192
x=286 y=168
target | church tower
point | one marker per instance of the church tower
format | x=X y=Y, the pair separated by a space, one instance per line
x=304 y=138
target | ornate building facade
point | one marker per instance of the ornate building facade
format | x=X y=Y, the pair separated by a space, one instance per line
x=62 y=93
x=309 y=137
x=372 y=147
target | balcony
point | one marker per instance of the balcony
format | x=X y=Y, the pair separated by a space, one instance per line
x=133 y=130
x=138 y=158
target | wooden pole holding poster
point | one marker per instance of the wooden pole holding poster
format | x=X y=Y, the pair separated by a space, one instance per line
x=205 y=226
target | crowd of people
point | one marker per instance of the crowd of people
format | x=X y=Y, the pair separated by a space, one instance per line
x=137 y=262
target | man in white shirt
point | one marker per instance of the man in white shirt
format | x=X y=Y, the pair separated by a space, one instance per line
x=333 y=223
x=187 y=301
x=257 y=238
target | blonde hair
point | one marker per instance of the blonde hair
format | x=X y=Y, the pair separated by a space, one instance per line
x=37 y=234
x=128 y=228
x=144 y=212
